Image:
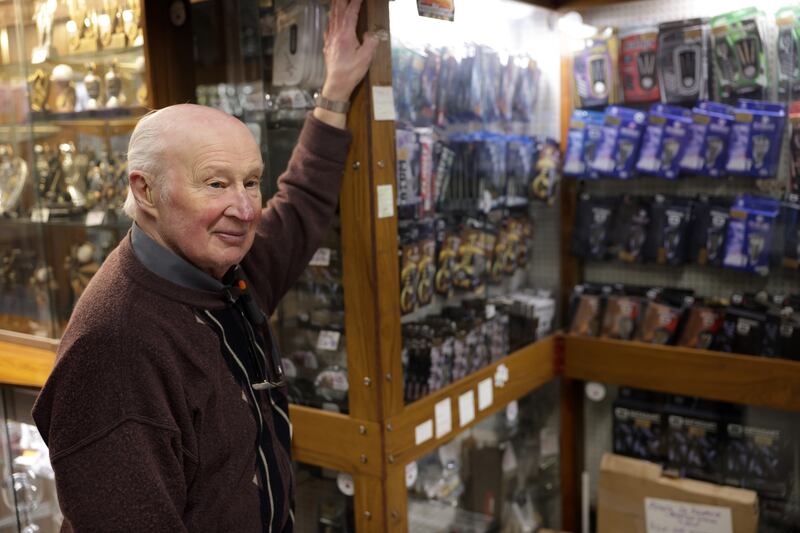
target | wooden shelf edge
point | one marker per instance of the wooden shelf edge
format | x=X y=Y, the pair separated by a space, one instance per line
x=25 y=360
x=528 y=369
x=334 y=440
x=744 y=379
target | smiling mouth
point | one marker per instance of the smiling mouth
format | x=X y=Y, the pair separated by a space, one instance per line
x=231 y=237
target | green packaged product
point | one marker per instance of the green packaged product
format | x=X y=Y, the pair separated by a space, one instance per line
x=788 y=21
x=740 y=62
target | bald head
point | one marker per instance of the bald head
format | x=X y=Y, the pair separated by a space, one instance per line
x=163 y=139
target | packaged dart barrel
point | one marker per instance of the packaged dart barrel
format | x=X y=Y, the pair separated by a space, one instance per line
x=637 y=65
x=594 y=70
x=740 y=61
x=788 y=22
x=683 y=61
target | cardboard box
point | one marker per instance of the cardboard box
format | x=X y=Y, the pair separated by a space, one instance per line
x=634 y=493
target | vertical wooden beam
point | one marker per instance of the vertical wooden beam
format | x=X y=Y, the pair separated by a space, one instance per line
x=396 y=500
x=369 y=510
x=168 y=52
x=571 y=453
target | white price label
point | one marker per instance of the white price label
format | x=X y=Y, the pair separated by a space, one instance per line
x=95 y=218
x=485 y=394
x=41 y=214
x=385 y=201
x=669 y=516
x=466 y=408
x=322 y=258
x=383 y=103
x=444 y=417
x=423 y=432
x=328 y=340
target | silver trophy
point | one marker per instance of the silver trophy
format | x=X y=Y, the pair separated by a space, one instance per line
x=13 y=177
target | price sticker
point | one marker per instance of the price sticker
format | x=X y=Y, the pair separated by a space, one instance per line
x=322 y=258
x=328 y=340
x=95 y=218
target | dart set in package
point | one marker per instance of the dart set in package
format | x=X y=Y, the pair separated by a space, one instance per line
x=794 y=146
x=298 y=60
x=750 y=232
x=740 y=61
x=585 y=132
x=664 y=141
x=788 y=21
x=594 y=70
x=707 y=148
x=638 y=65
x=615 y=155
x=756 y=135
x=683 y=61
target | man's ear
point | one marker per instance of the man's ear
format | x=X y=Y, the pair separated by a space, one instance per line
x=141 y=186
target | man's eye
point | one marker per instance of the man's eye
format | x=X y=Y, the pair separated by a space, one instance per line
x=252 y=184
x=216 y=185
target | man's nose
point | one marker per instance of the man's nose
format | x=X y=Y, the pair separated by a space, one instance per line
x=242 y=205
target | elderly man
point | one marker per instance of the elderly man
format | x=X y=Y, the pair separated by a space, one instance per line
x=166 y=410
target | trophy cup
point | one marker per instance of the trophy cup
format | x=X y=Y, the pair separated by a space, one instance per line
x=141 y=92
x=43 y=17
x=118 y=37
x=71 y=174
x=114 y=87
x=65 y=90
x=132 y=19
x=92 y=83
x=13 y=176
x=39 y=85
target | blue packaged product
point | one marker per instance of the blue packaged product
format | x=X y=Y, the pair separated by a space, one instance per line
x=706 y=150
x=750 y=232
x=578 y=143
x=664 y=141
x=756 y=135
x=791 y=238
x=621 y=135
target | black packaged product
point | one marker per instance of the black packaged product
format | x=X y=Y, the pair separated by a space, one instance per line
x=591 y=235
x=701 y=326
x=788 y=21
x=759 y=454
x=683 y=50
x=695 y=435
x=742 y=330
x=621 y=315
x=791 y=234
x=586 y=310
x=639 y=426
x=408 y=194
x=794 y=147
x=709 y=224
x=667 y=236
x=630 y=229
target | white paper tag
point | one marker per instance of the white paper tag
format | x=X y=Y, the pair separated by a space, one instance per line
x=444 y=417
x=95 y=218
x=512 y=412
x=345 y=483
x=466 y=408
x=322 y=258
x=40 y=214
x=383 y=103
x=328 y=340
x=669 y=516
x=490 y=311
x=423 y=432
x=501 y=376
x=548 y=442
x=385 y=201
x=485 y=394
x=412 y=472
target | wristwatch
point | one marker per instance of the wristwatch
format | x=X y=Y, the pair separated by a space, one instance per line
x=331 y=105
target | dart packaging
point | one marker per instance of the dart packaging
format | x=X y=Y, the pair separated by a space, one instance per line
x=630 y=229
x=750 y=233
x=794 y=147
x=595 y=71
x=667 y=239
x=740 y=62
x=593 y=223
x=664 y=141
x=756 y=135
x=580 y=147
x=638 y=65
x=708 y=230
x=695 y=435
x=638 y=425
x=701 y=327
x=621 y=316
x=707 y=148
x=791 y=239
x=788 y=22
x=683 y=61
x=408 y=198
x=616 y=152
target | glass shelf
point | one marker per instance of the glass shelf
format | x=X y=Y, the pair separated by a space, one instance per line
x=101 y=57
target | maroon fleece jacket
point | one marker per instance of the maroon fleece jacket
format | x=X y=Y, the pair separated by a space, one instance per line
x=147 y=428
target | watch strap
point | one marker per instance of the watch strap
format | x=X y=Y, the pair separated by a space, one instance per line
x=332 y=105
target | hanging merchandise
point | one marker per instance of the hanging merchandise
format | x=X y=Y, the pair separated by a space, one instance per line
x=630 y=229
x=427 y=192
x=667 y=236
x=794 y=147
x=408 y=194
x=683 y=61
x=298 y=59
x=664 y=141
x=707 y=150
x=521 y=155
x=702 y=324
x=788 y=21
x=638 y=65
x=662 y=315
x=638 y=425
x=526 y=92
x=621 y=315
x=709 y=227
x=409 y=266
x=586 y=310
x=544 y=184
x=750 y=232
x=791 y=239
x=740 y=61
x=616 y=152
x=755 y=142
x=581 y=148
x=595 y=71
x=437 y=9
x=695 y=438
x=593 y=223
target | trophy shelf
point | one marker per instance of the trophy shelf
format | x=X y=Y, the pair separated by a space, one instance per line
x=126 y=56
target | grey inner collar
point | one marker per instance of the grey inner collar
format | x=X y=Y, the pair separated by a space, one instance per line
x=168 y=265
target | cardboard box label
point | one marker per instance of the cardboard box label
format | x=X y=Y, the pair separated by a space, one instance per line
x=670 y=516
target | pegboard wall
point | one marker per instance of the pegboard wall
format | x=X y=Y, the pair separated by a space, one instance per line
x=706 y=281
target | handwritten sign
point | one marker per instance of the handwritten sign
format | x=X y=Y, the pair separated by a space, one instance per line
x=669 y=516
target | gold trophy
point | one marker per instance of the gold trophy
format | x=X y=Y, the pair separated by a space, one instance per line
x=141 y=92
x=64 y=88
x=114 y=87
x=43 y=17
x=39 y=85
x=132 y=19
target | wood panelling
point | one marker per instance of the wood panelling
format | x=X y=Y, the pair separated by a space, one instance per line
x=368 y=508
x=571 y=453
x=396 y=499
x=734 y=378
x=528 y=369
x=169 y=52
x=24 y=365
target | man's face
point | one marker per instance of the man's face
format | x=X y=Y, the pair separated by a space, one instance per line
x=213 y=196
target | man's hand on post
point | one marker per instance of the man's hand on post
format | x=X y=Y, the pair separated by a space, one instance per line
x=346 y=59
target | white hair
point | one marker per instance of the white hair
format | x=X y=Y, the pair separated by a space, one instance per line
x=146 y=154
